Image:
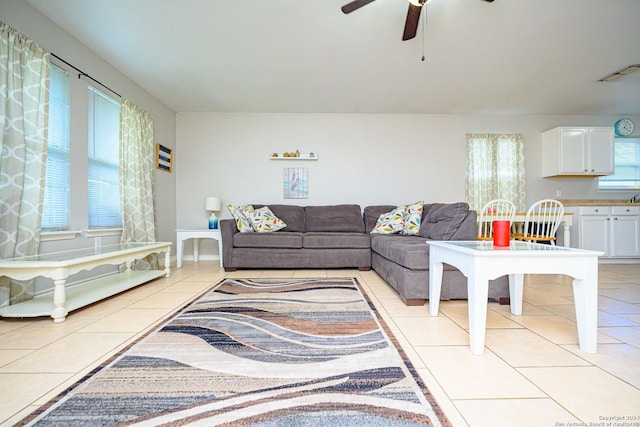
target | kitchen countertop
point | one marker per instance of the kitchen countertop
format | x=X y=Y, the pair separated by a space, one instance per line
x=597 y=202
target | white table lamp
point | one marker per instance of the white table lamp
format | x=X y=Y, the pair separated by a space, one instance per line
x=213 y=204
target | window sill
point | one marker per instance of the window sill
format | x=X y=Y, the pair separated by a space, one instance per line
x=101 y=232
x=47 y=236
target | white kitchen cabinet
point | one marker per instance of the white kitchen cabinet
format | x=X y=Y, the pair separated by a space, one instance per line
x=625 y=231
x=577 y=152
x=594 y=228
x=614 y=230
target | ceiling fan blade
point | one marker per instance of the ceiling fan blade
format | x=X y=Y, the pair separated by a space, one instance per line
x=411 y=24
x=354 y=5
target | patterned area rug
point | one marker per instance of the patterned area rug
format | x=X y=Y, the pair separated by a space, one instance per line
x=257 y=352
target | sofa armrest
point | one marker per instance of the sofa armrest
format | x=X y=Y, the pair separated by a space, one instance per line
x=227 y=230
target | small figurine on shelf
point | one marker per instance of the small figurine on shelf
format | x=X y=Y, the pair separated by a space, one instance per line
x=297 y=153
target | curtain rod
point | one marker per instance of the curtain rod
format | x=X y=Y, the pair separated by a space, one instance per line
x=82 y=73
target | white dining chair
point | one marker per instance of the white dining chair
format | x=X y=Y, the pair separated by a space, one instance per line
x=541 y=222
x=494 y=210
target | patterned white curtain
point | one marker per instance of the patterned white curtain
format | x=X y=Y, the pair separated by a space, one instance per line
x=24 y=106
x=495 y=169
x=137 y=184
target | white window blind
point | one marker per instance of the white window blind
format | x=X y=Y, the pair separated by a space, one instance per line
x=56 y=191
x=104 y=185
x=627 y=166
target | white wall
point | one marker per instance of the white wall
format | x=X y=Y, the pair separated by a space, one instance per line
x=32 y=24
x=363 y=159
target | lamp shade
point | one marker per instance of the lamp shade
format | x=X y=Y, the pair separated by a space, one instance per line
x=212 y=204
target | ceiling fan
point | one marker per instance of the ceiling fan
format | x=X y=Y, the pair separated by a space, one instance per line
x=413 y=14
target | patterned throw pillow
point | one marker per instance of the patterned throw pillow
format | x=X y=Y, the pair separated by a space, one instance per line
x=412 y=217
x=242 y=223
x=390 y=222
x=263 y=220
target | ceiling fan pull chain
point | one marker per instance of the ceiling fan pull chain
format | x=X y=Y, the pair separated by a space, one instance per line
x=424 y=26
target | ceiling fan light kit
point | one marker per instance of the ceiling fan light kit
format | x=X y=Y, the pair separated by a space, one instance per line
x=419 y=3
x=413 y=14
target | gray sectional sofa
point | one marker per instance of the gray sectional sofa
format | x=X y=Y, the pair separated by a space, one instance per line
x=340 y=237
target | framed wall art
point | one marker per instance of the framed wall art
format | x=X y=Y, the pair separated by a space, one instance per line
x=295 y=184
x=164 y=158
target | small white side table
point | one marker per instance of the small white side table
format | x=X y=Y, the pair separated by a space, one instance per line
x=196 y=235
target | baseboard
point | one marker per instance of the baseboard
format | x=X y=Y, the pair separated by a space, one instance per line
x=201 y=258
x=619 y=260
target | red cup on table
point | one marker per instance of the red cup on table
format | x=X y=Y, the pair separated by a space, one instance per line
x=501 y=233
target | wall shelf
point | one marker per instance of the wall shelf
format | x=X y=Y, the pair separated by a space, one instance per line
x=302 y=156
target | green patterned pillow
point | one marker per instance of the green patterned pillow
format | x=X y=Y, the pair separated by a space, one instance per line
x=390 y=222
x=243 y=224
x=263 y=220
x=412 y=217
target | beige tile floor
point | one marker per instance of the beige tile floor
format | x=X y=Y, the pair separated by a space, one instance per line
x=532 y=372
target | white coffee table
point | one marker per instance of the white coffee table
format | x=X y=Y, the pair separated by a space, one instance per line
x=480 y=262
x=60 y=265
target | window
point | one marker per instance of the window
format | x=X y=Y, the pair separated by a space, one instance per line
x=495 y=169
x=627 y=166
x=104 y=137
x=56 y=189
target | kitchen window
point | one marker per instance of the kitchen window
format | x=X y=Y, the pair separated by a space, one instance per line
x=627 y=166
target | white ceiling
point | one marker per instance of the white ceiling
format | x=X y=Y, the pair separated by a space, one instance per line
x=505 y=57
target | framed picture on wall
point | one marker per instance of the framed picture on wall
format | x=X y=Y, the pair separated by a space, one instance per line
x=295 y=184
x=164 y=158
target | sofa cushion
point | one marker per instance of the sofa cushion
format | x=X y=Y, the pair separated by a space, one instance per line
x=412 y=219
x=372 y=213
x=263 y=220
x=408 y=251
x=340 y=218
x=291 y=240
x=441 y=221
x=242 y=223
x=390 y=222
x=292 y=215
x=332 y=240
